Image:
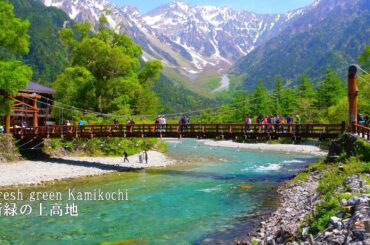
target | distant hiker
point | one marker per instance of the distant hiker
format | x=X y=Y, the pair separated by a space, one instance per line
x=146 y=156
x=182 y=123
x=360 y=119
x=82 y=125
x=265 y=124
x=271 y=123
x=1 y=129
x=163 y=122
x=66 y=126
x=140 y=158
x=289 y=119
x=125 y=157
x=130 y=125
x=367 y=119
x=24 y=126
x=290 y=122
x=297 y=119
x=248 y=122
x=259 y=121
x=157 y=123
x=116 y=122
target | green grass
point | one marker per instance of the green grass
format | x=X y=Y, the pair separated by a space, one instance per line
x=318 y=166
x=351 y=162
x=334 y=176
x=103 y=146
x=8 y=151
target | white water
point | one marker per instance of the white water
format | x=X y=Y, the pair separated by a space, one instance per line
x=225 y=84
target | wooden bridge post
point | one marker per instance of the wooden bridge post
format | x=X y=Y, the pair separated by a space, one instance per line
x=7 y=124
x=36 y=114
x=352 y=95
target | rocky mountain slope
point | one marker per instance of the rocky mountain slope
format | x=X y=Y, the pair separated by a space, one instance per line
x=188 y=38
x=329 y=35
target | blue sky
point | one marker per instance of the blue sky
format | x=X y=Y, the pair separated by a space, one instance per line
x=258 y=6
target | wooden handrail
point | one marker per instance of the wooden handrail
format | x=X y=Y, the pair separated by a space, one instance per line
x=361 y=130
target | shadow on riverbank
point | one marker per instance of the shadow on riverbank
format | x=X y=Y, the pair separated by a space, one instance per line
x=101 y=166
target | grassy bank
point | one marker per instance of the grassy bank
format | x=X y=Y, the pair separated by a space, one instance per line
x=354 y=159
x=8 y=151
x=102 y=146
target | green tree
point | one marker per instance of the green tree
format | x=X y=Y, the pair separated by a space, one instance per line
x=363 y=82
x=260 y=100
x=151 y=70
x=13 y=41
x=330 y=90
x=106 y=72
x=364 y=58
x=278 y=93
x=305 y=88
x=306 y=99
x=289 y=101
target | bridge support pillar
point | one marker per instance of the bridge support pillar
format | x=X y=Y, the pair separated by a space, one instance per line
x=36 y=114
x=7 y=124
x=352 y=95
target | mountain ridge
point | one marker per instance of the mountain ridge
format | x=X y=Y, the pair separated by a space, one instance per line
x=331 y=36
x=185 y=37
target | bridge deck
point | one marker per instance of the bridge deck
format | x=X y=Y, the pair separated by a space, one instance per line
x=217 y=130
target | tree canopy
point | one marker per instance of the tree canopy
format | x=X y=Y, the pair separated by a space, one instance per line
x=13 y=41
x=106 y=73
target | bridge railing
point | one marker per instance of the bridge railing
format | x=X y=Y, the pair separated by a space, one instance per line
x=173 y=130
x=362 y=131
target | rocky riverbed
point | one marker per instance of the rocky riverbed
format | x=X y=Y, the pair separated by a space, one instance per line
x=298 y=200
x=356 y=228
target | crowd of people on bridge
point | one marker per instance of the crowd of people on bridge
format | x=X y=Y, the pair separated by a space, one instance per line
x=268 y=123
x=272 y=123
x=363 y=120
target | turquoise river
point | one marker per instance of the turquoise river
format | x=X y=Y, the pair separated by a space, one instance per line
x=212 y=195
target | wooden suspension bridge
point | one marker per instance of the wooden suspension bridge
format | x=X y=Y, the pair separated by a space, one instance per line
x=201 y=131
x=214 y=130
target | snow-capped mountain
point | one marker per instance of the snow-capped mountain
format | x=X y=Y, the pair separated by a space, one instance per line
x=189 y=38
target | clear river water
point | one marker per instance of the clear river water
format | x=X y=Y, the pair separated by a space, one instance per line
x=213 y=194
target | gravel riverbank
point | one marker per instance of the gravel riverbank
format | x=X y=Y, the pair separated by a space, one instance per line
x=287 y=148
x=36 y=172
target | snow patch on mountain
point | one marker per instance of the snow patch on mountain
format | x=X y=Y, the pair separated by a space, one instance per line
x=183 y=36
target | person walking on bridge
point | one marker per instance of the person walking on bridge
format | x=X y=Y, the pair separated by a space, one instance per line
x=367 y=119
x=248 y=122
x=182 y=123
x=82 y=125
x=162 y=121
x=157 y=124
x=290 y=123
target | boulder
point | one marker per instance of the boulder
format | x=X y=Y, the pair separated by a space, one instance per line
x=353 y=201
x=336 y=222
x=343 y=202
